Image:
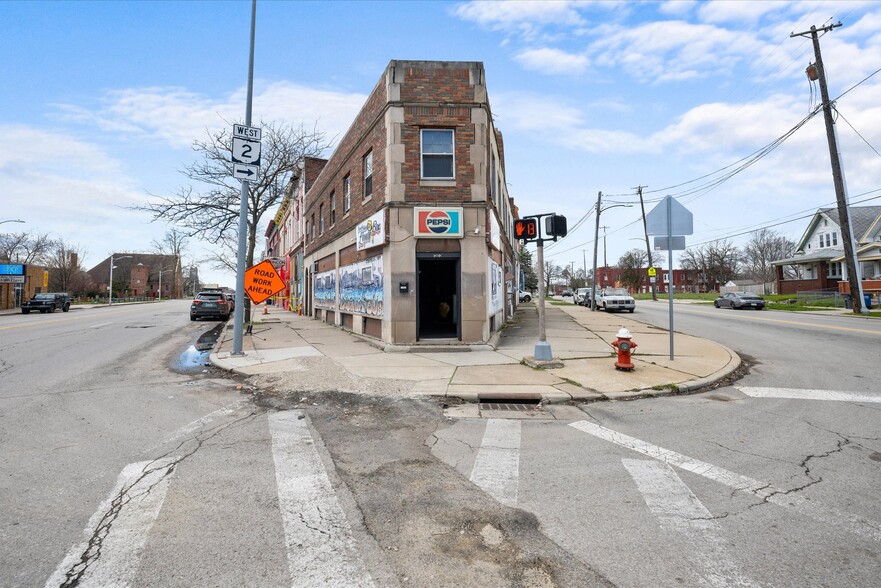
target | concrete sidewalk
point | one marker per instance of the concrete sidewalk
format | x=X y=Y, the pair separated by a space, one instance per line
x=579 y=338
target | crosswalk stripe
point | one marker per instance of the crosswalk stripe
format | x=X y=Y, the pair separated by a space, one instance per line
x=680 y=511
x=801 y=394
x=497 y=466
x=763 y=490
x=320 y=548
x=115 y=535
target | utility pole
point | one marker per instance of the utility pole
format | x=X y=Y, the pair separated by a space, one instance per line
x=605 y=258
x=596 y=240
x=645 y=229
x=818 y=71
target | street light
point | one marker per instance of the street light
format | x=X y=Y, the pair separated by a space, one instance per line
x=160 y=284
x=110 y=286
x=14 y=220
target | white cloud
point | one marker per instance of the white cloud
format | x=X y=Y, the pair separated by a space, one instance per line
x=719 y=11
x=677 y=7
x=519 y=15
x=552 y=61
x=176 y=117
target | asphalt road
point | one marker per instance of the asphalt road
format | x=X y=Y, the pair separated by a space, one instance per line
x=117 y=468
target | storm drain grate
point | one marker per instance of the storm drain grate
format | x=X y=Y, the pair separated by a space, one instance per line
x=521 y=401
x=518 y=405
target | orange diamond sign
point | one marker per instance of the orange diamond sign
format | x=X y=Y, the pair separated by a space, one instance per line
x=262 y=281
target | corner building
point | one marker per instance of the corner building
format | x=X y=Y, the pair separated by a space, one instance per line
x=409 y=227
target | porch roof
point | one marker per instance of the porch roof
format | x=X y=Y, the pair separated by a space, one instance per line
x=825 y=254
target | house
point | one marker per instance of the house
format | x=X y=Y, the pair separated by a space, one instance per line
x=140 y=275
x=684 y=280
x=408 y=226
x=819 y=261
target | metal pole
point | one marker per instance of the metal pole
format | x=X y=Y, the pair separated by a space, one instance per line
x=596 y=238
x=238 y=313
x=160 y=284
x=670 y=267
x=110 y=287
x=542 y=348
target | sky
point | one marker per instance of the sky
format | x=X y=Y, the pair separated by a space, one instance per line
x=102 y=101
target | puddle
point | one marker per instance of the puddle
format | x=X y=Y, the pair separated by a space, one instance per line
x=195 y=357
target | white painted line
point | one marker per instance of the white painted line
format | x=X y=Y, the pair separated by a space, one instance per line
x=798 y=394
x=113 y=540
x=497 y=467
x=101 y=325
x=321 y=551
x=680 y=511
x=763 y=490
x=201 y=422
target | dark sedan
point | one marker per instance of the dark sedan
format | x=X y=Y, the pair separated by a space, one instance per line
x=211 y=304
x=737 y=300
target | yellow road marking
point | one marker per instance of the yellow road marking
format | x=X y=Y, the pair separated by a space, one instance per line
x=49 y=322
x=743 y=315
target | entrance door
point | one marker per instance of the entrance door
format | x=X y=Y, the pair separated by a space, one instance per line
x=438 y=290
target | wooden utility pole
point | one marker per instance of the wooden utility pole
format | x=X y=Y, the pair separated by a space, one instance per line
x=818 y=71
x=648 y=248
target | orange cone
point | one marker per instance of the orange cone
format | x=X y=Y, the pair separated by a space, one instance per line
x=265 y=309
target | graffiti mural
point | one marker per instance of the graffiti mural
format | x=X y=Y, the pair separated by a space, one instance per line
x=361 y=287
x=325 y=289
x=495 y=300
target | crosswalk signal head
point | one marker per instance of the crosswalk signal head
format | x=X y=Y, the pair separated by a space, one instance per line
x=525 y=229
x=555 y=225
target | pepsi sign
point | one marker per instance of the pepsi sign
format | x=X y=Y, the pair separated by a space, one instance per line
x=438 y=222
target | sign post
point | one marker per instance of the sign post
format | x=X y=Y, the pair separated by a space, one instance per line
x=670 y=218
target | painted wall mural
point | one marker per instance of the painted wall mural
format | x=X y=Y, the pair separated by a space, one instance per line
x=325 y=289
x=495 y=299
x=361 y=287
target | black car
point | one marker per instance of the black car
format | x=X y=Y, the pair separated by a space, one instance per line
x=736 y=300
x=47 y=302
x=211 y=304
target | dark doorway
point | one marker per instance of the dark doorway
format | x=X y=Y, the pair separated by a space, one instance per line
x=438 y=292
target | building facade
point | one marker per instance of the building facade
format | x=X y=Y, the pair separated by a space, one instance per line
x=140 y=275
x=819 y=261
x=684 y=280
x=407 y=228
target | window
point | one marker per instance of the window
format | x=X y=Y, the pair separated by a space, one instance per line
x=368 y=175
x=347 y=194
x=437 y=154
x=312 y=222
x=321 y=218
x=332 y=208
x=834 y=270
x=834 y=238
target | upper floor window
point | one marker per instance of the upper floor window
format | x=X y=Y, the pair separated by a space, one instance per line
x=834 y=239
x=347 y=193
x=437 y=154
x=321 y=218
x=312 y=222
x=368 y=175
x=332 y=208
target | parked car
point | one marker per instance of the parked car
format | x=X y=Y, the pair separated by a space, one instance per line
x=47 y=302
x=567 y=292
x=615 y=299
x=737 y=300
x=210 y=303
x=525 y=296
x=580 y=295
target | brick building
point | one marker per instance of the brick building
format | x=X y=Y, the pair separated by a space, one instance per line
x=140 y=275
x=407 y=228
x=683 y=280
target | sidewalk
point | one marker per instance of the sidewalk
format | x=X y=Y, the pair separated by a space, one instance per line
x=579 y=338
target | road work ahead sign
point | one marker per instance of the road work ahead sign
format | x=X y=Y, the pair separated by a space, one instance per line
x=262 y=281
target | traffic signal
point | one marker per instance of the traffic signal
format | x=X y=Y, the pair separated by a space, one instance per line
x=526 y=229
x=555 y=225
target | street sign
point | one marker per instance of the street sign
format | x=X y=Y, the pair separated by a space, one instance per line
x=262 y=281
x=241 y=171
x=245 y=151
x=674 y=243
x=652 y=272
x=249 y=133
x=525 y=228
x=682 y=221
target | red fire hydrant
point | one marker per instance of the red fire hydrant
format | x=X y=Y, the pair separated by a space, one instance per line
x=623 y=345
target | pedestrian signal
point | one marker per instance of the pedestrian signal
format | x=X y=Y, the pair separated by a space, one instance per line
x=526 y=229
x=555 y=225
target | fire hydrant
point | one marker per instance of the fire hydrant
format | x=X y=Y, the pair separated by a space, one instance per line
x=623 y=345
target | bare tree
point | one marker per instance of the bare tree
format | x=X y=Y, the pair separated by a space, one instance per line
x=66 y=273
x=27 y=248
x=174 y=242
x=764 y=247
x=529 y=276
x=210 y=210
x=716 y=262
x=552 y=272
x=631 y=264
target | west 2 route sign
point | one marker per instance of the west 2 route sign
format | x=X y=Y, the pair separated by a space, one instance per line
x=262 y=281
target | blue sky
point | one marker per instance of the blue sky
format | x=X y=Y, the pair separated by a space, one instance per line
x=102 y=101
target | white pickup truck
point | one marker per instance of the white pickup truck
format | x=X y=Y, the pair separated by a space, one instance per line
x=615 y=299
